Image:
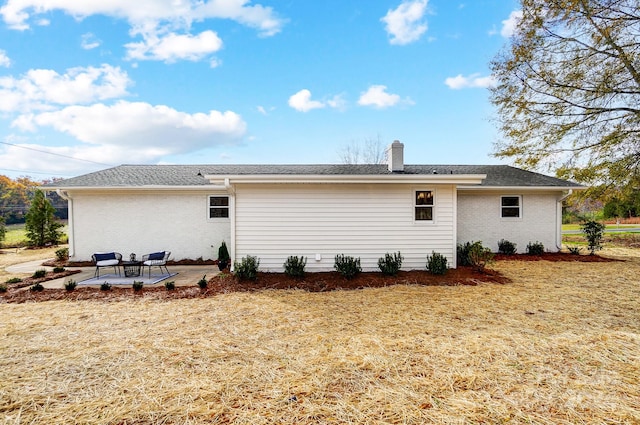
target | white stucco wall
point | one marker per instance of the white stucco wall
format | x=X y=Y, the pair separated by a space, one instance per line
x=362 y=220
x=479 y=219
x=146 y=221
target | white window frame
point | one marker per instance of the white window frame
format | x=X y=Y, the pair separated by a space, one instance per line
x=414 y=194
x=211 y=207
x=519 y=207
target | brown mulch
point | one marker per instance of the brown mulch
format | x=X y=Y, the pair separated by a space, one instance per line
x=312 y=282
x=29 y=281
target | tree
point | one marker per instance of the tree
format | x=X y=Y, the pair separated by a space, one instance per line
x=593 y=232
x=370 y=151
x=40 y=224
x=568 y=90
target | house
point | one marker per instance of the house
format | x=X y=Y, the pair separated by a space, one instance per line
x=274 y=211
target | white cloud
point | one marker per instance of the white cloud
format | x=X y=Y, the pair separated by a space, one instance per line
x=89 y=41
x=172 y=47
x=404 y=24
x=4 y=59
x=164 y=24
x=472 y=81
x=378 y=97
x=42 y=89
x=114 y=131
x=509 y=25
x=301 y=101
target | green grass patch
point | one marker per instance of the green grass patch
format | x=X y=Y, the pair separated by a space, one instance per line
x=16 y=236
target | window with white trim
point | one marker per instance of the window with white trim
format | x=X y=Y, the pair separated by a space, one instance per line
x=218 y=206
x=423 y=204
x=511 y=206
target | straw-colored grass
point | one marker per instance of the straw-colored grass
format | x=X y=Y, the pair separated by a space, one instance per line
x=559 y=345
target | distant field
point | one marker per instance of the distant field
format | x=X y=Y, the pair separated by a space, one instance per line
x=569 y=227
x=17 y=235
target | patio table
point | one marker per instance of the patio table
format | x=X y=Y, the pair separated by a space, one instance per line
x=132 y=268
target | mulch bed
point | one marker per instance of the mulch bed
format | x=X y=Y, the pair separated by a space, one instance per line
x=312 y=282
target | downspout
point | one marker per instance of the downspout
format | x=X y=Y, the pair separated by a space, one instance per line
x=71 y=234
x=231 y=190
x=559 y=218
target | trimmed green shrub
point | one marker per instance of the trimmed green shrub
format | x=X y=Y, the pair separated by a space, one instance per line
x=105 y=286
x=294 y=266
x=14 y=280
x=3 y=287
x=62 y=254
x=247 y=268
x=474 y=254
x=437 y=263
x=593 y=232
x=223 y=256
x=58 y=269
x=37 y=287
x=347 y=266
x=39 y=273
x=70 y=285
x=137 y=285
x=390 y=264
x=202 y=283
x=535 y=248
x=170 y=286
x=506 y=247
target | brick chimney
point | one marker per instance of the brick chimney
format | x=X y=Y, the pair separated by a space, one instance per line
x=395 y=157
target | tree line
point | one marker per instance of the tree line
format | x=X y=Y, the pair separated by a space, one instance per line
x=16 y=197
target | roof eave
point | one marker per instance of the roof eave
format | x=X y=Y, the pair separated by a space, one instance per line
x=522 y=188
x=466 y=179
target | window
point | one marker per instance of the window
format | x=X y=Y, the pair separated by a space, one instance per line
x=510 y=206
x=218 y=206
x=424 y=205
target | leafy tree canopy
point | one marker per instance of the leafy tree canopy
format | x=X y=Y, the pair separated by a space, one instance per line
x=568 y=91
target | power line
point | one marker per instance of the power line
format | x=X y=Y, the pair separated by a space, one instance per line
x=56 y=154
x=34 y=172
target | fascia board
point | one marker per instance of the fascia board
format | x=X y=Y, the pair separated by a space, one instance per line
x=467 y=179
x=521 y=188
x=135 y=188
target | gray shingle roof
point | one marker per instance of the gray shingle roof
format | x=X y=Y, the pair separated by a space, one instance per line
x=187 y=175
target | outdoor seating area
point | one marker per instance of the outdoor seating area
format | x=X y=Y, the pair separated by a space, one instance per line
x=124 y=271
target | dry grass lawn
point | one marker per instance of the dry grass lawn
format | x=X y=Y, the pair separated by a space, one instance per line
x=559 y=345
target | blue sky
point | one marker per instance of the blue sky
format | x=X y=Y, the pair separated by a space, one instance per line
x=88 y=85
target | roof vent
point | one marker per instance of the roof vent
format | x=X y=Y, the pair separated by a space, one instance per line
x=395 y=157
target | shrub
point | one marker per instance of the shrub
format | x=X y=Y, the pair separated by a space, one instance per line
x=462 y=252
x=70 y=285
x=202 y=283
x=506 y=247
x=105 y=286
x=14 y=280
x=575 y=250
x=474 y=254
x=62 y=254
x=390 y=264
x=348 y=266
x=223 y=256
x=58 y=269
x=294 y=266
x=535 y=248
x=593 y=232
x=137 y=285
x=436 y=263
x=37 y=287
x=247 y=269
x=170 y=286
x=39 y=273
x=3 y=287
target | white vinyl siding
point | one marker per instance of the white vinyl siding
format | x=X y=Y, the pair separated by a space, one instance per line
x=480 y=219
x=362 y=220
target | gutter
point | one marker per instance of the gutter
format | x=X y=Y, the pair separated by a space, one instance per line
x=65 y=195
x=559 y=218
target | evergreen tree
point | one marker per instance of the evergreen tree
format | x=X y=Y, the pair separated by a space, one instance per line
x=40 y=224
